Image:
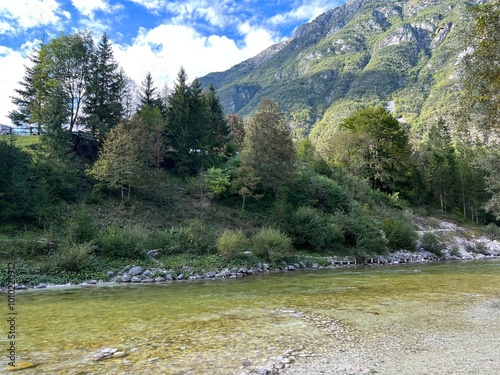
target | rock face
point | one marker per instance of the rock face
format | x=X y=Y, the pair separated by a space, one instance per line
x=401 y=50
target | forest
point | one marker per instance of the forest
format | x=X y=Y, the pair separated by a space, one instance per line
x=118 y=171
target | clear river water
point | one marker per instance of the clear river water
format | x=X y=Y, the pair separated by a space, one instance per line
x=218 y=326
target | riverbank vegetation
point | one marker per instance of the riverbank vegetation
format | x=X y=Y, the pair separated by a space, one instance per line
x=115 y=175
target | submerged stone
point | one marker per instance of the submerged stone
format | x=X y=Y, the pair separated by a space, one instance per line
x=21 y=366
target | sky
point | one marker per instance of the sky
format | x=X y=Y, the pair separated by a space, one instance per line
x=156 y=36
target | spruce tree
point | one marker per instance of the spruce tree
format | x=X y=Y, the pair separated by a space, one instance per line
x=217 y=123
x=179 y=134
x=28 y=98
x=149 y=96
x=440 y=165
x=103 y=107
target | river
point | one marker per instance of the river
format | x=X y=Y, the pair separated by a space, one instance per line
x=224 y=326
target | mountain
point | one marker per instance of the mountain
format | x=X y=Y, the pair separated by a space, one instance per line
x=403 y=54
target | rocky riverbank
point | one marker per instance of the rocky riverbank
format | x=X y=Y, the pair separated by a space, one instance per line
x=451 y=242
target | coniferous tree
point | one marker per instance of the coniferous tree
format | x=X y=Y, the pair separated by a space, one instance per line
x=148 y=95
x=178 y=121
x=103 y=102
x=154 y=133
x=188 y=134
x=217 y=122
x=200 y=135
x=440 y=165
x=28 y=98
x=197 y=130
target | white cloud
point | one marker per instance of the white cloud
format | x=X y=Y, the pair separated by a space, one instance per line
x=164 y=49
x=30 y=13
x=5 y=28
x=89 y=7
x=219 y=13
x=149 y=4
x=305 y=12
x=12 y=63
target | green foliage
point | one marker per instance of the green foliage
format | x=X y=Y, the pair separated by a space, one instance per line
x=326 y=195
x=489 y=163
x=197 y=131
x=24 y=247
x=105 y=87
x=230 y=243
x=236 y=131
x=72 y=256
x=195 y=238
x=16 y=190
x=81 y=227
x=124 y=158
x=493 y=231
x=313 y=230
x=246 y=183
x=66 y=63
x=129 y=241
x=383 y=147
x=268 y=149
x=482 y=73
x=400 y=234
x=218 y=181
x=439 y=166
x=430 y=242
x=361 y=233
x=271 y=244
x=148 y=97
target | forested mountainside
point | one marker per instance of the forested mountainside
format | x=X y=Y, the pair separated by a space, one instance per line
x=404 y=54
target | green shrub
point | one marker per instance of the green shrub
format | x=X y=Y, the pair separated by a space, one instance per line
x=195 y=238
x=400 y=234
x=25 y=247
x=455 y=251
x=361 y=233
x=492 y=231
x=81 y=228
x=481 y=248
x=129 y=241
x=312 y=230
x=72 y=256
x=231 y=243
x=271 y=243
x=327 y=195
x=218 y=181
x=171 y=241
x=430 y=242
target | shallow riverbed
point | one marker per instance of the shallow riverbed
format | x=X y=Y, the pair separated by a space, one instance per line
x=226 y=326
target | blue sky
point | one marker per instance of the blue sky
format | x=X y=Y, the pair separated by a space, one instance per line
x=152 y=35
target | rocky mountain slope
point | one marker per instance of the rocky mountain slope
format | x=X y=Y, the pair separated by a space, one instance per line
x=404 y=54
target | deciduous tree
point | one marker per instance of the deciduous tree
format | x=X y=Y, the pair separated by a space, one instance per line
x=123 y=161
x=384 y=151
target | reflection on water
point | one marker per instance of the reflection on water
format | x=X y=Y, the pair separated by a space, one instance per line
x=212 y=327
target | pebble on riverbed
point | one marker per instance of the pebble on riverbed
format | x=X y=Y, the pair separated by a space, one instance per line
x=108 y=353
x=21 y=366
